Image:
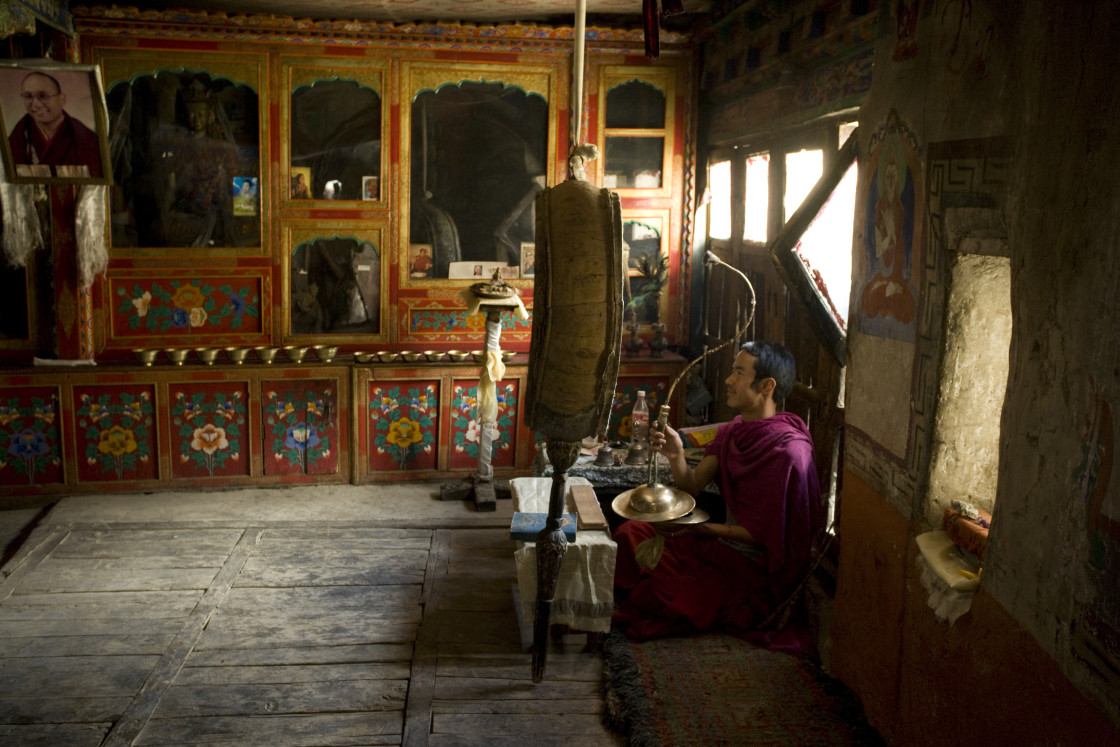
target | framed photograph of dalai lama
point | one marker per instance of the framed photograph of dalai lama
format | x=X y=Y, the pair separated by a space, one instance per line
x=54 y=122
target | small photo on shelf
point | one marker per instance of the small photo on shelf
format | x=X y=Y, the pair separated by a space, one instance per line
x=371 y=188
x=473 y=270
x=301 y=183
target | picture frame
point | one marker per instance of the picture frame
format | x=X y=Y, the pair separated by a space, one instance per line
x=66 y=99
x=473 y=270
x=300 y=190
x=528 y=259
x=420 y=261
x=245 y=195
x=371 y=188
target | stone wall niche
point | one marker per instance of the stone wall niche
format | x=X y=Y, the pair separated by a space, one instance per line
x=973 y=381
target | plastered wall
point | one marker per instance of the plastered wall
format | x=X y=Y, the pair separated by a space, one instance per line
x=1007 y=109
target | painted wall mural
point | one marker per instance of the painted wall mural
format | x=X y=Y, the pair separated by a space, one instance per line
x=300 y=427
x=208 y=423
x=116 y=432
x=30 y=453
x=465 y=427
x=893 y=202
x=403 y=421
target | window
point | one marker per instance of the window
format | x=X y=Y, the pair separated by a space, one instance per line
x=757 y=202
x=719 y=206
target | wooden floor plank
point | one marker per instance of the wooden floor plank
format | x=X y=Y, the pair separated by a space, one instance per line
x=287 y=576
x=261 y=598
x=82 y=605
x=518 y=666
x=547 y=707
x=277 y=731
x=77 y=676
x=42 y=708
x=72 y=576
x=85 y=645
x=480 y=688
x=51 y=735
x=336 y=534
x=573 y=725
x=279 y=655
x=296 y=673
x=279 y=698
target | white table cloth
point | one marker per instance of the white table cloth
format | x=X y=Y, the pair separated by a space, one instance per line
x=585 y=590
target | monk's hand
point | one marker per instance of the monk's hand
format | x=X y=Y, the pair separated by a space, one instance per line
x=665 y=440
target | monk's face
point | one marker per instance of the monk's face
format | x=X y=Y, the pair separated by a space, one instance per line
x=744 y=393
x=42 y=99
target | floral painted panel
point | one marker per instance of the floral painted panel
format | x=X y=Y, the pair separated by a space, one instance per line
x=208 y=429
x=403 y=425
x=115 y=432
x=624 y=396
x=187 y=306
x=30 y=452
x=465 y=428
x=300 y=427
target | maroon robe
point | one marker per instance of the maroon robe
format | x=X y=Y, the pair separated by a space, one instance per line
x=73 y=144
x=768 y=480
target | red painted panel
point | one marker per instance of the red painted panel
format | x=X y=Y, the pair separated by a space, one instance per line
x=116 y=435
x=30 y=448
x=465 y=426
x=300 y=426
x=209 y=429
x=403 y=425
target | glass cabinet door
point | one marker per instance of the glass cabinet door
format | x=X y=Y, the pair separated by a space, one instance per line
x=636 y=124
x=334 y=113
x=480 y=146
x=186 y=154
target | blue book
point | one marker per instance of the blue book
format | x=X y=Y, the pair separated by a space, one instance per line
x=526 y=526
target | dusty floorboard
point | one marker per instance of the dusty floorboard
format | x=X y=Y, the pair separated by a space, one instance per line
x=279 y=636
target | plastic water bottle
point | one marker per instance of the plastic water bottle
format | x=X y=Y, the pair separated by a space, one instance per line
x=639 y=423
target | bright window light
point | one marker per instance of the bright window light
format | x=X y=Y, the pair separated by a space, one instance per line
x=719 y=208
x=826 y=247
x=758 y=197
x=803 y=169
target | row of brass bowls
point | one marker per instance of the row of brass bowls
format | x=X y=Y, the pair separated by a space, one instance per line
x=296 y=354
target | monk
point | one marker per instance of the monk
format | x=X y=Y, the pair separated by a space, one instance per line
x=730 y=576
x=47 y=136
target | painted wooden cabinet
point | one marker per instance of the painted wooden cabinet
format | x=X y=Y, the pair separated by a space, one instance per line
x=279 y=182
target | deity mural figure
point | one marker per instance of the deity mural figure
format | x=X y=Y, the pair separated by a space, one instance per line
x=891 y=230
x=199 y=164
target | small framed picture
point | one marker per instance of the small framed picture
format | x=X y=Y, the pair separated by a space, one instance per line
x=420 y=261
x=53 y=114
x=528 y=259
x=245 y=195
x=301 y=183
x=371 y=188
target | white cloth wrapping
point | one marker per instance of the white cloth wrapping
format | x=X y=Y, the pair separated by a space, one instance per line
x=90 y=233
x=22 y=233
x=584 y=598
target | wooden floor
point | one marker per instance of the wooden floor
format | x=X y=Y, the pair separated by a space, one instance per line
x=119 y=635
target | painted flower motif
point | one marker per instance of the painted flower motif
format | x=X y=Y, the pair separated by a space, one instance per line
x=209 y=438
x=135 y=411
x=45 y=413
x=198 y=316
x=225 y=410
x=117 y=441
x=301 y=437
x=287 y=408
x=468 y=404
x=404 y=433
x=180 y=318
x=315 y=407
x=387 y=405
x=97 y=412
x=8 y=414
x=472 y=433
x=238 y=304
x=188 y=297
x=423 y=402
x=142 y=303
x=28 y=444
x=624 y=427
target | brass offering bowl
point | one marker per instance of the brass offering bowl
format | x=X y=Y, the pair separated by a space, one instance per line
x=266 y=354
x=387 y=356
x=208 y=355
x=507 y=356
x=458 y=355
x=178 y=355
x=147 y=357
x=237 y=355
x=295 y=353
x=479 y=356
x=411 y=356
x=325 y=353
x=364 y=357
x=433 y=355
